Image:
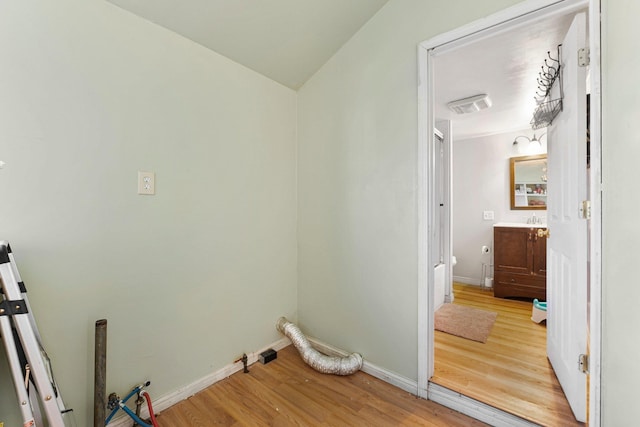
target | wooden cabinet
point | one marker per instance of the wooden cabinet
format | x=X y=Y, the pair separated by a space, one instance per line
x=520 y=263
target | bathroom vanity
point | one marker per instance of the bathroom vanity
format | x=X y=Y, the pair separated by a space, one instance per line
x=520 y=260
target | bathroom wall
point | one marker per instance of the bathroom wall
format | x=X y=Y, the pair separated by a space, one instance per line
x=481 y=183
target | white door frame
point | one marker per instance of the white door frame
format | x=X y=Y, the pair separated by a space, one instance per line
x=507 y=19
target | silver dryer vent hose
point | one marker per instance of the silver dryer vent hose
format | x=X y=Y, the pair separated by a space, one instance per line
x=320 y=362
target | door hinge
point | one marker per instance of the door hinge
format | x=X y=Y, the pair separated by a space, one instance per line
x=585 y=209
x=583 y=363
x=583 y=57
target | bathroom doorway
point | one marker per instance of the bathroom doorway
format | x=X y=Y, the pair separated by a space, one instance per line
x=527 y=16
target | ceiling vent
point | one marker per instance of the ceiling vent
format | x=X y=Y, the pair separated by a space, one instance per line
x=470 y=105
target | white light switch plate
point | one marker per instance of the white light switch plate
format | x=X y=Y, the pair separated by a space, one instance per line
x=487 y=215
x=146 y=183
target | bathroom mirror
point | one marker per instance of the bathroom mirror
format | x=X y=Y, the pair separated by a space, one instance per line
x=528 y=182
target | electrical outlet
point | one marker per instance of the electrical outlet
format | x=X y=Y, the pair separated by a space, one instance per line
x=487 y=215
x=146 y=183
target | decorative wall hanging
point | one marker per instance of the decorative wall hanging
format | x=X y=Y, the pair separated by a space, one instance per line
x=549 y=93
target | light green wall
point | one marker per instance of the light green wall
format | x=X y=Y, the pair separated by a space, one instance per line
x=195 y=275
x=188 y=279
x=357 y=162
x=357 y=213
x=621 y=228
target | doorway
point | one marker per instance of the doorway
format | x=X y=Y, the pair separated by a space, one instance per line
x=519 y=16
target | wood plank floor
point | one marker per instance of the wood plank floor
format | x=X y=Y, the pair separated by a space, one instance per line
x=287 y=392
x=511 y=370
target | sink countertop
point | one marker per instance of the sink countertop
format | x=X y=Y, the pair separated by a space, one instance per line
x=519 y=224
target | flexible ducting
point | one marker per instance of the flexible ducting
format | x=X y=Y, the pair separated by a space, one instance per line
x=320 y=362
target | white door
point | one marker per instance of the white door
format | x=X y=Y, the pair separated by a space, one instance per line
x=567 y=242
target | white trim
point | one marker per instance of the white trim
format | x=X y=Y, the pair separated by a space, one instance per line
x=595 y=238
x=517 y=15
x=468 y=280
x=425 y=274
x=448 y=205
x=473 y=408
x=189 y=390
x=369 y=368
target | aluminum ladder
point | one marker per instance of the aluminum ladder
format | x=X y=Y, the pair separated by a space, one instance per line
x=38 y=396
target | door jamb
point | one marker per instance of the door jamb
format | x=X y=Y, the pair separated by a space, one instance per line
x=508 y=18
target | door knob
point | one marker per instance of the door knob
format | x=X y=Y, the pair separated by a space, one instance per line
x=543 y=232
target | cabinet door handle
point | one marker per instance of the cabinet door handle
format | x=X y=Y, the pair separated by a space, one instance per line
x=543 y=232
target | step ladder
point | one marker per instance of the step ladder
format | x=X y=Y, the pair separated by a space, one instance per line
x=39 y=399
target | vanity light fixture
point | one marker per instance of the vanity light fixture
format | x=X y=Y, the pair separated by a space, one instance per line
x=470 y=105
x=533 y=144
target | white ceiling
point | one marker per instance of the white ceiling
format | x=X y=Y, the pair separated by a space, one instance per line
x=285 y=40
x=505 y=67
x=289 y=40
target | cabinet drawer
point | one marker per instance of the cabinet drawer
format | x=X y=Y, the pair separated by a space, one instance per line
x=519 y=285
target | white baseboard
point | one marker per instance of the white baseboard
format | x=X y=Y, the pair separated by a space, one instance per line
x=438 y=394
x=467 y=280
x=375 y=371
x=170 y=399
x=475 y=409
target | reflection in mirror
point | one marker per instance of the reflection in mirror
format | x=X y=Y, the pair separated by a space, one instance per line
x=528 y=182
